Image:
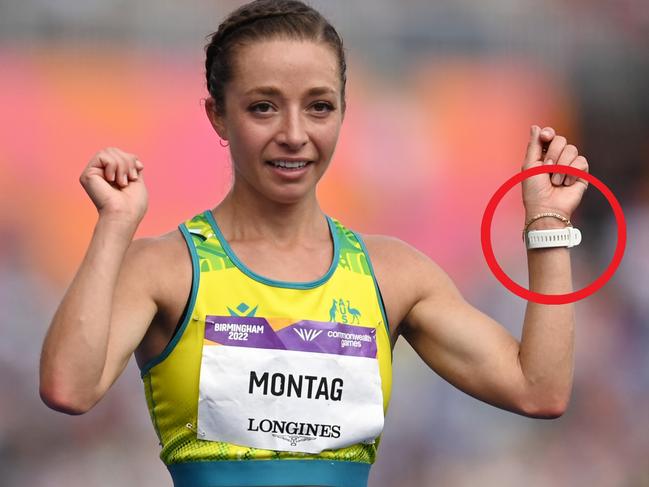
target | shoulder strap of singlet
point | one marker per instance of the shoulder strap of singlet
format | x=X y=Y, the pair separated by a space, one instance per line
x=352 y=254
x=209 y=249
x=355 y=257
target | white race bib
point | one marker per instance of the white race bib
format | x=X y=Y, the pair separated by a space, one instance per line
x=305 y=387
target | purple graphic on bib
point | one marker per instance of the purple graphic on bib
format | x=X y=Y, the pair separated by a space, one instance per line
x=242 y=331
x=329 y=337
x=304 y=335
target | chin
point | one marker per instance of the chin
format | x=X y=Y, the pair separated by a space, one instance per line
x=288 y=196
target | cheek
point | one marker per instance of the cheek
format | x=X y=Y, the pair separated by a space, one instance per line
x=329 y=137
x=249 y=137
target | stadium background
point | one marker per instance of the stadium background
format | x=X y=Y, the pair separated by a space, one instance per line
x=440 y=99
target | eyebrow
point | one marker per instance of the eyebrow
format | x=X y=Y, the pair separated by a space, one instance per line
x=273 y=91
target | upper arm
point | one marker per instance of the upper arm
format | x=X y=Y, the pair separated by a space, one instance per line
x=133 y=309
x=459 y=342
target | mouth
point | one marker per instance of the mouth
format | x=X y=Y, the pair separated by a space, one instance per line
x=288 y=165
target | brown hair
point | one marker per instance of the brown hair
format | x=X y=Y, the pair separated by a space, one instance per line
x=263 y=20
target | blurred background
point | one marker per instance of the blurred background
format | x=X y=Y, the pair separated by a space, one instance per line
x=441 y=96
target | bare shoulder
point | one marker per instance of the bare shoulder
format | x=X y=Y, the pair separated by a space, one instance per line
x=405 y=276
x=392 y=250
x=160 y=262
x=401 y=259
x=165 y=245
x=158 y=246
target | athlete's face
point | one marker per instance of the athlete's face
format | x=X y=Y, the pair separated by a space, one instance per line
x=283 y=102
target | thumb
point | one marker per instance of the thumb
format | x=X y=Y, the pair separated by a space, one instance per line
x=534 y=147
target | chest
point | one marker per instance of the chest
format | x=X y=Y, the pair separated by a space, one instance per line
x=301 y=264
x=310 y=264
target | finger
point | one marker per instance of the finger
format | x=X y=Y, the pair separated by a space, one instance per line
x=126 y=168
x=119 y=153
x=533 y=152
x=547 y=134
x=109 y=165
x=112 y=158
x=568 y=155
x=579 y=163
x=133 y=165
x=121 y=166
x=555 y=148
x=136 y=167
x=118 y=167
x=123 y=173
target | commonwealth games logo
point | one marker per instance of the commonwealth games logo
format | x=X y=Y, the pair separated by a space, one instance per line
x=307 y=335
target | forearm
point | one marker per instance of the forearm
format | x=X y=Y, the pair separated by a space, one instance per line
x=547 y=344
x=75 y=348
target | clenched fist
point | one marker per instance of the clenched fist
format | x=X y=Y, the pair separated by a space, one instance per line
x=114 y=182
x=557 y=193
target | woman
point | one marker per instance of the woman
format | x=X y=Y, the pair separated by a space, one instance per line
x=263 y=327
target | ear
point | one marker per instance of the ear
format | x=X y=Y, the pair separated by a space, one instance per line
x=215 y=119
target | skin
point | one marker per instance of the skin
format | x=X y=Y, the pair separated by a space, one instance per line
x=115 y=307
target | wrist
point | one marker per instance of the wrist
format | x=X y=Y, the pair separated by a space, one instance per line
x=546 y=224
x=548 y=230
x=545 y=220
x=115 y=223
x=531 y=212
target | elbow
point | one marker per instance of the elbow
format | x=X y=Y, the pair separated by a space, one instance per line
x=59 y=400
x=547 y=408
x=549 y=412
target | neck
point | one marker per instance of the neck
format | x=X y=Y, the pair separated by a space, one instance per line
x=244 y=216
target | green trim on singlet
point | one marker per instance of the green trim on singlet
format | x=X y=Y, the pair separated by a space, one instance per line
x=273 y=282
x=379 y=297
x=196 y=276
x=267 y=473
x=149 y=393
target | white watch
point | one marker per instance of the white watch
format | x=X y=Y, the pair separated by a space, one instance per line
x=561 y=237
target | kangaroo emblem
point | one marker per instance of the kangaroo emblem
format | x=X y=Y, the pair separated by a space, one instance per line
x=332 y=311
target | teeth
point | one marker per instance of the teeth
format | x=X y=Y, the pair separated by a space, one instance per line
x=289 y=164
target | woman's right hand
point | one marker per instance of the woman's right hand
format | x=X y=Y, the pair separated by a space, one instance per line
x=114 y=182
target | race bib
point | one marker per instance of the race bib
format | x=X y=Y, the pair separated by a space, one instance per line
x=301 y=386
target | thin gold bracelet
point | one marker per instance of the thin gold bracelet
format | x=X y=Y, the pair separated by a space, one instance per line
x=544 y=215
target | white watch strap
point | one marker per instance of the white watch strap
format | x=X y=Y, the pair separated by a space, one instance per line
x=561 y=237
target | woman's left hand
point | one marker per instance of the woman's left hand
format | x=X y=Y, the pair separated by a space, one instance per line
x=555 y=193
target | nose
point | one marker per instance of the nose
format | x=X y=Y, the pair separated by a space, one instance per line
x=292 y=132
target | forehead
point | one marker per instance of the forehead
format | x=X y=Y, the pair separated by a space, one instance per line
x=292 y=65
